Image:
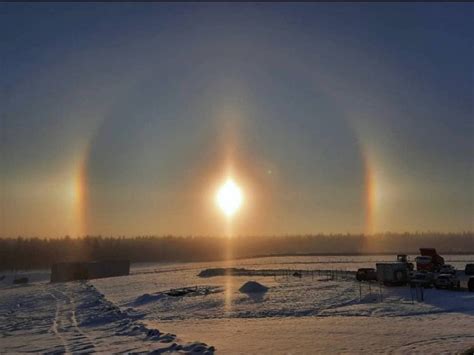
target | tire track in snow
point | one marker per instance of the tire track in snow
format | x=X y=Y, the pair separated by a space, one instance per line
x=443 y=344
x=66 y=316
x=76 y=318
x=90 y=342
x=54 y=327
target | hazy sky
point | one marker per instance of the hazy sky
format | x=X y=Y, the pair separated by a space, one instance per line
x=124 y=118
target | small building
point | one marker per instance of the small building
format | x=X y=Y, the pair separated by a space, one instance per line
x=395 y=273
x=70 y=271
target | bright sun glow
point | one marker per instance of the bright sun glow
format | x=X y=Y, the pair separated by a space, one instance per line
x=229 y=197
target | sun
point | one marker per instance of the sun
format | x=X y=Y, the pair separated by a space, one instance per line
x=229 y=197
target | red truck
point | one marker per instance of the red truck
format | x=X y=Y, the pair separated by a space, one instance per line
x=429 y=260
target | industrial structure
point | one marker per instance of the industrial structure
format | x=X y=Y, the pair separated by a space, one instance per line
x=70 y=271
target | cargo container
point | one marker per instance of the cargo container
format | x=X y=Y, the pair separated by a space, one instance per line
x=392 y=274
x=70 y=271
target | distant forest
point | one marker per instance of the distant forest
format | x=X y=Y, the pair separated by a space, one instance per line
x=31 y=253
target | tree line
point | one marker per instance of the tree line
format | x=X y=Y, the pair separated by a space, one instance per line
x=34 y=253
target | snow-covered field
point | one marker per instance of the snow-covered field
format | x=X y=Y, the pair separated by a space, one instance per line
x=307 y=315
x=76 y=318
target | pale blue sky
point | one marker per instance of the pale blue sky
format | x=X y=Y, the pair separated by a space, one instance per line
x=153 y=100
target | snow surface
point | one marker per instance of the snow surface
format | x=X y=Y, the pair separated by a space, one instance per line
x=76 y=318
x=437 y=334
x=307 y=315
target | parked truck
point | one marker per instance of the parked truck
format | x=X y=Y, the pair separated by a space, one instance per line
x=366 y=274
x=429 y=260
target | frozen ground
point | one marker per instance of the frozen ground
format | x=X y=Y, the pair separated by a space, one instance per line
x=307 y=315
x=75 y=318
x=440 y=334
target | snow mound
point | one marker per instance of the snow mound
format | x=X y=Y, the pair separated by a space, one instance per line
x=177 y=292
x=147 y=298
x=253 y=287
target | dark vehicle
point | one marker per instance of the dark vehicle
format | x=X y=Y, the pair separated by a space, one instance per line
x=366 y=274
x=470 y=284
x=20 y=280
x=469 y=270
x=423 y=279
x=448 y=281
x=447 y=269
